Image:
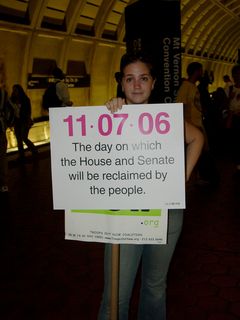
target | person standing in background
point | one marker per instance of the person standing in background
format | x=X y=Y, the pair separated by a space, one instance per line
x=233 y=94
x=3 y=139
x=207 y=164
x=61 y=87
x=4 y=117
x=22 y=119
x=189 y=95
x=227 y=81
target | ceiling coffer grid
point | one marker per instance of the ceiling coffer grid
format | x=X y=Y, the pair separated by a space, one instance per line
x=210 y=28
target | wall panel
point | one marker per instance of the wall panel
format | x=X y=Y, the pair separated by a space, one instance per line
x=101 y=72
x=12 y=49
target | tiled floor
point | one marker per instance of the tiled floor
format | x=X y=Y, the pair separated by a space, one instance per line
x=44 y=277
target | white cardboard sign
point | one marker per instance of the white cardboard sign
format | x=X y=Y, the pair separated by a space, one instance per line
x=131 y=159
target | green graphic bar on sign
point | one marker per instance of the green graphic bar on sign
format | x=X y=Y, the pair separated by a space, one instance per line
x=136 y=213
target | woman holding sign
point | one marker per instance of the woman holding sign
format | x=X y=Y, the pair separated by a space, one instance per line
x=137 y=80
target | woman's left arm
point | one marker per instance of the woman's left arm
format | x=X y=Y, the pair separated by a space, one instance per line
x=195 y=140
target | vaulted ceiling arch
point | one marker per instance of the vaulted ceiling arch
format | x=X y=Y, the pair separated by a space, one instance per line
x=210 y=28
x=225 y=39
x=73 y=13
x=106 y=8
x=229 y=44
x=194 y=26
x=213 y=27
x=36 y=12
x=205 y=31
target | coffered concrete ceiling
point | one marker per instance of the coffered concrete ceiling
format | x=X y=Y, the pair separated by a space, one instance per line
x=210 y=28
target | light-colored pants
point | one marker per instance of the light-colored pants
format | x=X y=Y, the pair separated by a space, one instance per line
x=155 y=264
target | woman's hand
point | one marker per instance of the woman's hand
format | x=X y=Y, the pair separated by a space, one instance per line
x=115 y=104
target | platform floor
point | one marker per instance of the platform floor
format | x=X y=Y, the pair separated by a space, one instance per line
x=39 y=134
x=44 y=277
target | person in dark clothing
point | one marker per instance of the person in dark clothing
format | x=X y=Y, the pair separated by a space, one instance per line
x=220 y=103
x=22 y=120
x=208 y=116
x=207 y=166
x=233 y=122
x=3 y=140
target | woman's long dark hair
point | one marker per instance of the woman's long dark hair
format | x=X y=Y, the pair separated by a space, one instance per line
x=21 y=97
x=129 y=58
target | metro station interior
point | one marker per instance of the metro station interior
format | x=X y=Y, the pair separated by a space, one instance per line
x=45 y=276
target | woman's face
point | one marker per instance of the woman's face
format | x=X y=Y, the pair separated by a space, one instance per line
x=137 y=83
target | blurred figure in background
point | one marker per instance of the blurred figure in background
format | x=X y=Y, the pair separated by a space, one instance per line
x=189 y=95
x=61 y=87
x=3 y=140
x=208 y=115
x=197 y=103
x=207 y=166
x=22 y=119
x=233 y=94
x=220 y=108
x=6 y=118
x=227 y=81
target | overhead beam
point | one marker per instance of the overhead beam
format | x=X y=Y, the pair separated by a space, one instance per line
x=104 y=11
x=73 y=13
x=36 y=12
